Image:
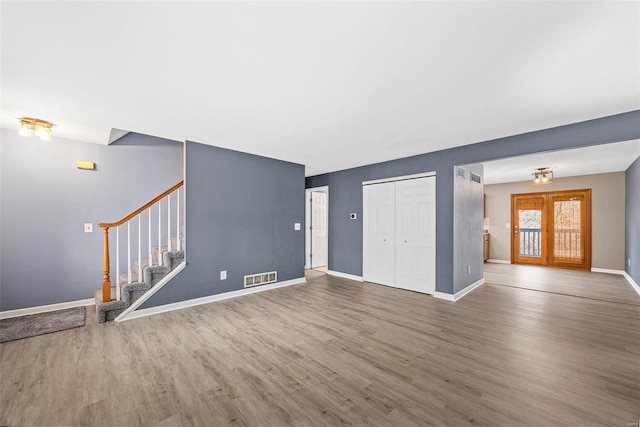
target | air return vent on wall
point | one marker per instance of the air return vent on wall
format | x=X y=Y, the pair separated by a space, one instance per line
x=260 y=279
x=461 y=172
x=475 y=178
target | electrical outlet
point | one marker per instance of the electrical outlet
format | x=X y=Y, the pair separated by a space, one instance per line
x=296 y=226
x=223 y=275
x=88 y=227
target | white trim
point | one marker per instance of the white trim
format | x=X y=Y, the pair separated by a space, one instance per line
x=45 y=308
x=208 y=299
x=632 y=282
x=345 y=275
x=307 y=223
x=608 y=271
x=444 y=296
x=137 y=303
x=498 y=261
x=399 y=178
x=184 y=201
x=457 y=296
x=319 y=189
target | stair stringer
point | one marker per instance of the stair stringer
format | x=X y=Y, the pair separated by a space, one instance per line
x=137 y=303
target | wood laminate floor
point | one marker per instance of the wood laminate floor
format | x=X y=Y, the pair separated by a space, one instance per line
x=337 y=352
x=584 y=284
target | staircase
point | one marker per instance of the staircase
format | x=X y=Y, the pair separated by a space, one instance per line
x=150 y=224
x=132 y=291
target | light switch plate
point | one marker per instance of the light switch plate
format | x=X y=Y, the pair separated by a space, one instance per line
x=296 y=226
x=508 y=225
x=223 y=275
x=88 y=227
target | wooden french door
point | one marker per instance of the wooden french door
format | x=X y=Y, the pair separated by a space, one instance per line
x=528 y=223
x=552 y=229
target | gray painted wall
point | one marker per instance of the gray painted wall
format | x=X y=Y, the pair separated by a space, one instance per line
x=607 y=215
x=632 y=220
x=468 y=244
x=46 y=257
x=345 y=187
x=240 y=215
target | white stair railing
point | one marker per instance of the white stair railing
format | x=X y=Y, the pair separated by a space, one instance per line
x=129 y=220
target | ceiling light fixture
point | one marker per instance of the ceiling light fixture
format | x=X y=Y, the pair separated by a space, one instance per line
x=42 y=128
x=542 y=176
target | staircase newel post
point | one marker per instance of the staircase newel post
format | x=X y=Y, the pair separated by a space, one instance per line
x=106 y=280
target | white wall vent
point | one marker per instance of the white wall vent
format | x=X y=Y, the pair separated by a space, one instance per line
x=260 y=279
x=461 y=172
x=475 y=178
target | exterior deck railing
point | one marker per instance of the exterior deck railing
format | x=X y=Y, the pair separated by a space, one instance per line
x=530 y=242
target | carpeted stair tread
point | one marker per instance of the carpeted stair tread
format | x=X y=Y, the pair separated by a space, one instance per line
x=130 y=292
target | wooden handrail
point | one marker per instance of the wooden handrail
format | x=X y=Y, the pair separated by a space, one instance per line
x=141 y=208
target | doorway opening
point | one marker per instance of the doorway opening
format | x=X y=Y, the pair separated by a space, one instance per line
x=317 y=229
x=552 y=229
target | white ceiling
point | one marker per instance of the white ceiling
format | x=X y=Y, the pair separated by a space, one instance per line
x=606 y=158
x=330 y=85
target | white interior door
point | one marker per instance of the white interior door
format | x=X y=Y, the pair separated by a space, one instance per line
x=379 y=233
x=319 y=230
x=415 y=235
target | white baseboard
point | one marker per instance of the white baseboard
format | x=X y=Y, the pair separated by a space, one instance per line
x=498 y=261
x=444 y=296
x=344 y=275
x=45 y=308
x=458 y=295
x=632 y=282
x=211 y=298
x=607 y=271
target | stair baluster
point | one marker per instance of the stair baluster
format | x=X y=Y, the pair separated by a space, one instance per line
x=178 y=245
x=118 y=263
x=169 y=222
x=128 y=252
x=150 y=257
x=159 y=232
x=139 y=247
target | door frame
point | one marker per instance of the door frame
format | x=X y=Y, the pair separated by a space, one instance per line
x=307 y=229
x=547 y=223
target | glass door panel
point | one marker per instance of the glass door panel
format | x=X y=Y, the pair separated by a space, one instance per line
x=569 y=229
x=527 y=218
x=530 y=226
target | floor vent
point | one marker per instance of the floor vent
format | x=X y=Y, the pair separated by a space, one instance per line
x=260 y=279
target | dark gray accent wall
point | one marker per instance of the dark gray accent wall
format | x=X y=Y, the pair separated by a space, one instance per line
x=46 y=257
x=345 y=187
x=468 y=242
x=632 y=221
x=240 y=215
